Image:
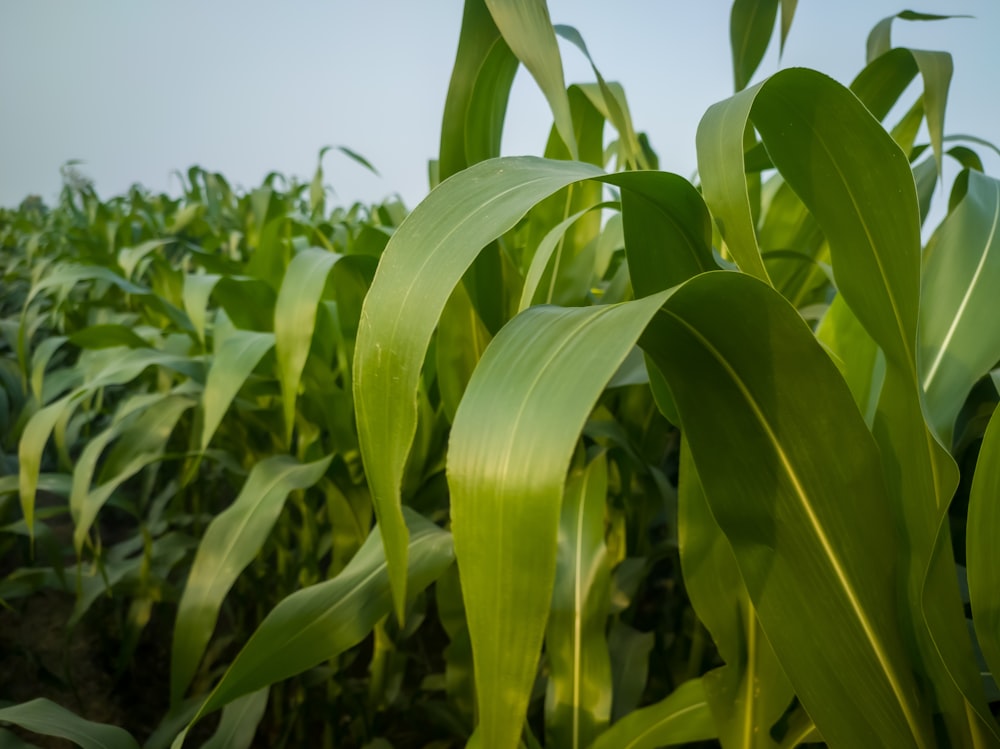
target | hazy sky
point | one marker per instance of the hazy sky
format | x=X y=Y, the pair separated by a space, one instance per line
x=138 y=88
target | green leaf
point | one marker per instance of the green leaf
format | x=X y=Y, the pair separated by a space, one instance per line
x=142 y=440
x=719 y=143
x=428 y=254
x=681 y=718
x=197 y=290
x=814 y=540
x=106 y=336
x=958 y=342
x=527 y=29
x=461 y=340
x=751 y=24
x=295 y=321
x=610 y=103
x=982 y=550
x=49 y=719
x=879 y=38
x=788 y=8
x=856 y=355
x=551 y=243
x=871 y=220
x=239 y=722
x=318 y=623
x=231 y=541
x=578 y=701
x=507 y=465
x=232 y=365
x=750 y=692
x=488 y=103
x=477 y=95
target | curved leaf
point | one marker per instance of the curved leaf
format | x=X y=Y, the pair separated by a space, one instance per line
x=507 y=465
x=233 y=363
x=231 y=541
x=958 y=342
x=318 y=623
x=814 y=540
x=578 y=702
x=49 y=719
x=751 y=691
x=982 y=550
x=751 y=24
x=450 y=227
x=527 y=29
x=681 y=718
x=295 y=321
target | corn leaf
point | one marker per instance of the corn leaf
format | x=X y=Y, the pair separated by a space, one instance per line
x=238 y=724
x=751 y=24
x=457 y=219
x=871 y=220
x=527 y=29
x=750 y=692
x=49 y=719
x=958 y=341
x=318 y=623
x=578 y=702
x=681 y=718
x=231 y=541
x=295 y=321
x=233 y=363
x=982 y=551
x=507 y=465
x=814 y=542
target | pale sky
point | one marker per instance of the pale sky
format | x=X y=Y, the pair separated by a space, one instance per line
x=136 y=89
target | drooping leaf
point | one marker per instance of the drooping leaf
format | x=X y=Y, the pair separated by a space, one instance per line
x=320 y=622
x=231 y=541
x=879 y=38
x=460 y=217
x=49 y=719
x=808 y=536
x=142 y=440
x=234 y=361
x=961 y=273
x=871 y=221
x=680 y=718
x=751 y=24
x=527 y=29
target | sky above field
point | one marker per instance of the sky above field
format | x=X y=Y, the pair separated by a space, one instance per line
x=137 y=90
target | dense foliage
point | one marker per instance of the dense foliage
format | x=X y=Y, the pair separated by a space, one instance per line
x=576 y=454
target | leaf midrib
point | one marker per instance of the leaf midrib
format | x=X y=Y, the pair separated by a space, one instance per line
x=830 y=554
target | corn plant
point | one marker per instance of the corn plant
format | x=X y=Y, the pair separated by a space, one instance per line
x=662 y=461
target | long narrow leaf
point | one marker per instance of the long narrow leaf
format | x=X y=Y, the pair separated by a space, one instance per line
x=422 y=263
x=49 y=719
x=958 y=341
x=681 y=718
x=506 y=469
x=814 y=541
x=578 y=703
x=320 y=622
x=982 y=550
x=295 y=321
x=231 y=541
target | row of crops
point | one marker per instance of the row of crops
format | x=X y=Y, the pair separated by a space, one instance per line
x=578 y=453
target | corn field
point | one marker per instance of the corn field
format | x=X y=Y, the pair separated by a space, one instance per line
x=576 y=454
